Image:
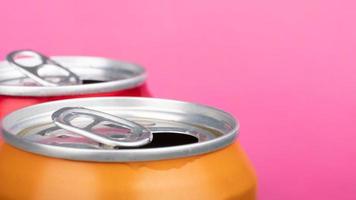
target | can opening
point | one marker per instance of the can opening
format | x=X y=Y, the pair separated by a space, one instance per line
x=167 y=139
x=90 y=81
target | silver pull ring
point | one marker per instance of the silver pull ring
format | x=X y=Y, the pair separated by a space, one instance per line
x=83 y=121
x=41 y=68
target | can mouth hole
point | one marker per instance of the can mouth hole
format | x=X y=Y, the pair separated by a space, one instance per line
x=167 y=139
x=90 y=81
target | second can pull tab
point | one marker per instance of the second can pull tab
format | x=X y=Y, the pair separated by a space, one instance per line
x=136 y=135
x=42 y=69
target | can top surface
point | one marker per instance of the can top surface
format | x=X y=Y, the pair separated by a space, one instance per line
x=119 y=129
x=96 y=75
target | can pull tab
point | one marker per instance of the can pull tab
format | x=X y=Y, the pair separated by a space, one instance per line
x=41 y=68
x=137 y=135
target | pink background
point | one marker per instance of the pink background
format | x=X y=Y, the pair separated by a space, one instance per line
x=286 y=69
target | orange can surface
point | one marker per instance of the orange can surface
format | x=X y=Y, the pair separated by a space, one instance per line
x=65 y=160
x=224 y=174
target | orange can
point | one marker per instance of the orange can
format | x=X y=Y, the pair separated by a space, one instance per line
x=123 y=148
x=28 y=77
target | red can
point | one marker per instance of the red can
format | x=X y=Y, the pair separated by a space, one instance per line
x=28 y=77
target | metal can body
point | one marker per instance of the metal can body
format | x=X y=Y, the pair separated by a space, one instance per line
x=12 y=103
x=224 y=174
x=123 y=148
x=98 y=77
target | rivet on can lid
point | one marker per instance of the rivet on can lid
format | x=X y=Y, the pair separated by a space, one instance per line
x=35 y=66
